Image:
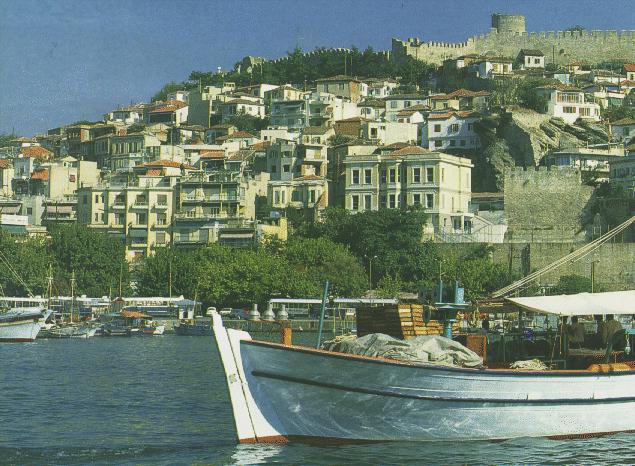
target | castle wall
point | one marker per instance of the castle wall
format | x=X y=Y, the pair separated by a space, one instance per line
x=508 y=36
x=545 y=205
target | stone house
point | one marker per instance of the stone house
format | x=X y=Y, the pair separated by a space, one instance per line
x=344 y=87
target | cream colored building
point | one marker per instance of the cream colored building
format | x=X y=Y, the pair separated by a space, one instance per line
x=139 y=212
x=440 y=183
x=622 y=173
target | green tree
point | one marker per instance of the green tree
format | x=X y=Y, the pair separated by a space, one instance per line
x=24 y=265
x=97 y=260
x=249 y=123
x=571 y=284
x=321 y=259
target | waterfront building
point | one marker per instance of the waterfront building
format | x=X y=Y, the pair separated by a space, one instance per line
x=622 y=174
x=412 y=176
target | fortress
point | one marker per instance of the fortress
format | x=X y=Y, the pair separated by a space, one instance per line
x=508 y=36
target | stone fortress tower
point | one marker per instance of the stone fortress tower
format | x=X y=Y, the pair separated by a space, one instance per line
x=508 y=36
x=514 y=24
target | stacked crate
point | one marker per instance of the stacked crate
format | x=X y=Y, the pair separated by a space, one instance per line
x=403 y=321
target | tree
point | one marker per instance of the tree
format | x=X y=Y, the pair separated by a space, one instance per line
x=249 y=123
x=571 y=284
x=96 y=259
x=24 y=265
x=322 y=259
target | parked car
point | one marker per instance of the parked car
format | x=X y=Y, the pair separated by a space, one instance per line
x=226 y=311
x=211 y=310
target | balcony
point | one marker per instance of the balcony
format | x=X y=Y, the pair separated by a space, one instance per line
x=199 y=216
x=161 y=206
x=118 y=205
x=140 y=205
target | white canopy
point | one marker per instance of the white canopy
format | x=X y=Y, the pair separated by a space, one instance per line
x=614 y=302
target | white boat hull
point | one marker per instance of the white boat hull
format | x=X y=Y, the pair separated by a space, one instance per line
x=19 y=331
x=292 y=393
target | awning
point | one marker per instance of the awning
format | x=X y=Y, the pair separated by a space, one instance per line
x=613 y=302
x=135 y=315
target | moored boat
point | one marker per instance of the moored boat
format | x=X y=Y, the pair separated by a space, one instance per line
x=281 y=392
x=21 y=324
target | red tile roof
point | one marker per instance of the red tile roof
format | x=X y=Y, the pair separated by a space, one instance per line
x=153 y=172
x=629 y=66
x=4 y=163
x=260 y=146
x=167 y=163
x=410 y=150
x=468 y=93
x=212 y=154
x=36 y=151
x=41 y=174
x=236 y=135
x=446 y=115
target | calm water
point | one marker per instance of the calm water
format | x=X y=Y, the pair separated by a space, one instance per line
x=162 y=400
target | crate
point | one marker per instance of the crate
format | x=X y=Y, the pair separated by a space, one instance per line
x=403 y=321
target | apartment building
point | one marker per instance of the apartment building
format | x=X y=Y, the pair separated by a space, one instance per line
x=412 y=176
x=137 y=210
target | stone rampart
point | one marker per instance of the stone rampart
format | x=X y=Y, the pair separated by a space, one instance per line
x=543 y=205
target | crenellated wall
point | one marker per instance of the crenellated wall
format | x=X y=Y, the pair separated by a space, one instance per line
x=507 y=37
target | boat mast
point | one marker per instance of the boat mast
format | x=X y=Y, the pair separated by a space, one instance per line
x=72 y=293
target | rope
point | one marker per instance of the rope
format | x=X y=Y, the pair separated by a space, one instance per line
x=15 y=274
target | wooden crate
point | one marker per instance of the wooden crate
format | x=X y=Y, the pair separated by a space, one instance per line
x=401 y=321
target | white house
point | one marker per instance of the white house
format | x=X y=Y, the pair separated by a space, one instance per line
x=568 y=104
x=530 y=59
x=397 y=103
x=450 y=130
x=492 y=67
x=389 y=132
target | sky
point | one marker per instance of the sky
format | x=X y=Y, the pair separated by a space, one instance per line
x=68 y=60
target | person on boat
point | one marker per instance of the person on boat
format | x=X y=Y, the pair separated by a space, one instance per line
x=484 y=327
x=599 y=329
x=609 y=328
x=575 y=331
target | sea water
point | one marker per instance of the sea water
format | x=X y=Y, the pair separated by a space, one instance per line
x=163 y=400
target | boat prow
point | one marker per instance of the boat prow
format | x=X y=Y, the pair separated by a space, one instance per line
x=281 y=393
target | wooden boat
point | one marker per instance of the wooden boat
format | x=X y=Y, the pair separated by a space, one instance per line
x=281 y=393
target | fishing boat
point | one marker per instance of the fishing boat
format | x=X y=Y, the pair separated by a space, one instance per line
x=282 y=392
x=21 y=324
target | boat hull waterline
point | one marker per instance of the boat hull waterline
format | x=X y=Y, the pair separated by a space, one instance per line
x=19 y=331
x=283 y=393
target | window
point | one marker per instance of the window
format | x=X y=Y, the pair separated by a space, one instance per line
x=406 y=104
x=142 y=218
x=437 y=128
x=382 y=201
x=312 y=196
x=383 y=176
x=373 y=133
x=537 y=61
x=286 y=168
x=452 y=143
x=429 y=201
x=443 y=174
x=96 y=198
x=454 y=128
x=462 y=142
x=85 y=199
x=416 y=175
x=470 y=126
x=392 y=201
x=355 y=176
x=162 y=219
x=141 y=199
x=161 y=238
x=162 y=199
x=355 y=202
x=429 y=174
x=393 y=104
x=29 y=210
x=276 y=197
x=391 y=175
x=416 y=199
x=368 y=202
x=296 y=196
x=368 y=176
x=119 y=219
x=438 y=143
x=273 y=169
x=568 y=109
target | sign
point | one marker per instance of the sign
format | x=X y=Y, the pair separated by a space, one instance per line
x=10 y=219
